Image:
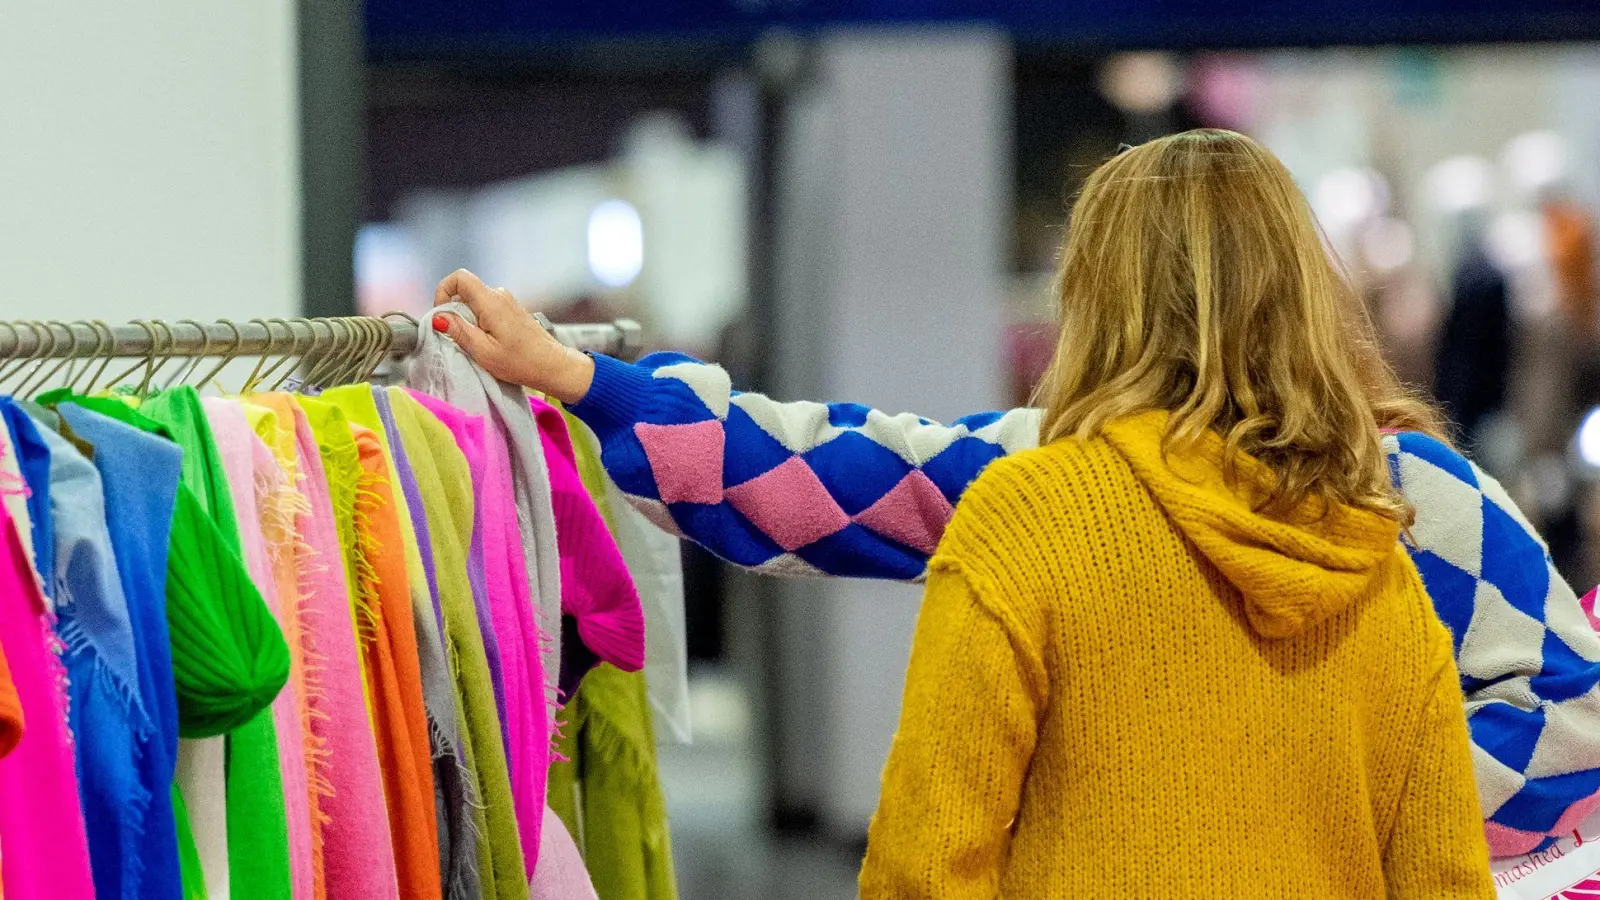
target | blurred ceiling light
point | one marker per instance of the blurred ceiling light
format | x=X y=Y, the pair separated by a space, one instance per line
x=1349 y=195
x=1535 y=160
x=1141 y=82
x=1458 y=184
x=1516 y=241
x=616 y=243
x=1588 y=439
x=1388 y=244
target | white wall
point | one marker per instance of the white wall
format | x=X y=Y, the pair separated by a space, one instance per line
x=148 y=159
x=893 y=218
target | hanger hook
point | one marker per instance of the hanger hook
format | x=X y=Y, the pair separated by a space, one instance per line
x=15 y=359
x=266 y=353
x=104 y=340
x=296 y=352
x=31 y=385
x=330 y=361
x=228 y=355
x=152 y=364
x=356 y=363
x=385 y=342
x=40 y=350
x=293 y=352
x=185 y=370
x=319 y=363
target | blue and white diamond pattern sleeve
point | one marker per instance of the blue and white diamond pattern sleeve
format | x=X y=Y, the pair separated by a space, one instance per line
x=794 y=488
x=1528 y=657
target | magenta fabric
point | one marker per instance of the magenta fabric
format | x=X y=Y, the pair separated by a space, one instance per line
x=46 y=852
x=253 y=479
x=358 y=855
x=596 y=589
x=525 y=719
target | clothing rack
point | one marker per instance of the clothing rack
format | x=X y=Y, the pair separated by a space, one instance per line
x=396 y=334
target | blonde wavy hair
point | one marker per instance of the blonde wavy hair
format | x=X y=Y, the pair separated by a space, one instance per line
x=1194 y=279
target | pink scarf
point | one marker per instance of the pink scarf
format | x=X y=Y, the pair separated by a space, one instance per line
x=254 y=482
x=41 y=818
x=358 y=857
x=528 y=724
x=561 y=874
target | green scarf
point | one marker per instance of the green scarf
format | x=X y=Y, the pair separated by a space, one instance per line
x=229 y=659
x=609 y=791
x=446 y=487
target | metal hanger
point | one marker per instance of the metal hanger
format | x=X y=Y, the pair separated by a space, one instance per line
x=361 y=354
x=184 y=371
x=385 y=343
x=228 y=356
x=40 y=350
x=103 y=348
x=31 y=385
x=258 y=377
x=326 y=361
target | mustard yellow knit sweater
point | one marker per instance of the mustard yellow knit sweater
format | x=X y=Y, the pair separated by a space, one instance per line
x=1126 y=683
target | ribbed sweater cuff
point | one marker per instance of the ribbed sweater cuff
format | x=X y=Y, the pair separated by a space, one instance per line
x=616 y=396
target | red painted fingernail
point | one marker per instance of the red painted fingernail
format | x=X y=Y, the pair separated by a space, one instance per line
x=440 y=323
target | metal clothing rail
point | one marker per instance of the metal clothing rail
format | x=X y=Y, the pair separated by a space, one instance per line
x=40 y=340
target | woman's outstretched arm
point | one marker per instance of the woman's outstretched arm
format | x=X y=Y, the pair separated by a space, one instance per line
x=841 y=489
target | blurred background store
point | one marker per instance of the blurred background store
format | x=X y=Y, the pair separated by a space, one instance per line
x=837 y=200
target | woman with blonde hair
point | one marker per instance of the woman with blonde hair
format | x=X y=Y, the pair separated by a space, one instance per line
x=1184 y=626
x=1215 y=412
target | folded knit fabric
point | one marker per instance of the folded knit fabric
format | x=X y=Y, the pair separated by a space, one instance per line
x=596 y=589
x=105 y=711
x=256 y=827
x=254 y=479
x=358 y=857
x=458 y=840
x=441 y=369
x=526 y=724
x=139 y=474
x=41 y=820
x=445 y=483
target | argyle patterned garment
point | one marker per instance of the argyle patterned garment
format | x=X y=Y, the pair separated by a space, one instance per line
x=840 y=489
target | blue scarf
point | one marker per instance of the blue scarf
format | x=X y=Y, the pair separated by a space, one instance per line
x=139 y=474
x=106 y=712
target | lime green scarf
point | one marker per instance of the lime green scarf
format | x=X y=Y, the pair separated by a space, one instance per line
x=609 y=791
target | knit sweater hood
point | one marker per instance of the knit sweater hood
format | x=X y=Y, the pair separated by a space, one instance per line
x=1293 y=571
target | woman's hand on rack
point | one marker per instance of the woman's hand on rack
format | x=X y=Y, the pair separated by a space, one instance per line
x=509 y=343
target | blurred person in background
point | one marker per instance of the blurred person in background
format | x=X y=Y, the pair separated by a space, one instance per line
x=845 y=490
x=1472 y=366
